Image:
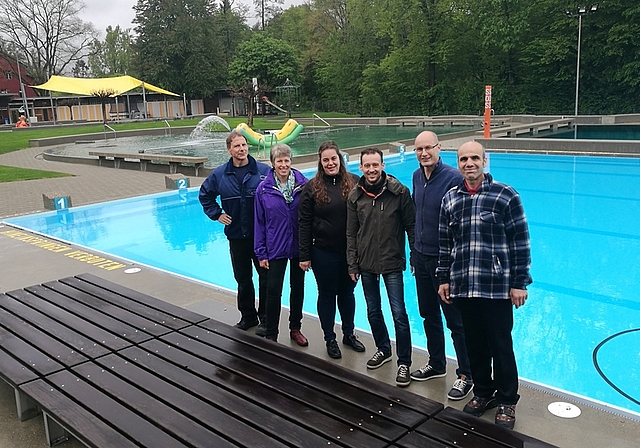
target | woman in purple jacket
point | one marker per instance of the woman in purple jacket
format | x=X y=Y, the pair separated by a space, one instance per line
x=276 y=240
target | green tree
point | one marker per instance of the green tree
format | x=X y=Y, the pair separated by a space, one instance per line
x=270 y=61
x=112 y=56
x=179 y=45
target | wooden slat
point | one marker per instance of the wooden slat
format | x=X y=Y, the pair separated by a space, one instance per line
x=153 y=314
x=103 y=407
x=454 y=436
x=169 y=419
x=507 y=437
x=173 y=310
x=86 y=327
x=78 y=421
x=223 y=420
x=21 y=362
x=417 y=440
x=105 y=320
x=295 y=423
x=387 y=392
x=376 y=421
x=42 y=341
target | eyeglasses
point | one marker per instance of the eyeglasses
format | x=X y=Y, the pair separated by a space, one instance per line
x=427 y=148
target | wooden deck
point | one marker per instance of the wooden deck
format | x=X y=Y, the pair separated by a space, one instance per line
x=114 y=367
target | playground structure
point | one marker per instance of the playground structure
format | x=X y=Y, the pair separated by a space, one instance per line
x=287 y=134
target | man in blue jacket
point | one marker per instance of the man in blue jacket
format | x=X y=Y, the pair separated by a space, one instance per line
x=430 y=182
x=235 y=183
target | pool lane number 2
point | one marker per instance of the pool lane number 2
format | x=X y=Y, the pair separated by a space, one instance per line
x=181 y=183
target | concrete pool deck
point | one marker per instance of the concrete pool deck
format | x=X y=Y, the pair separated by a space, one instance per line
x=25 y=264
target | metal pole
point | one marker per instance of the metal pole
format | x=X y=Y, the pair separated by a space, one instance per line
x=144 y=100
x=575 y=126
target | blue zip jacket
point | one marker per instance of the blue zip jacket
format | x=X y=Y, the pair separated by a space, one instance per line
x=427 y=197
x=236 y=196
x=276 y=229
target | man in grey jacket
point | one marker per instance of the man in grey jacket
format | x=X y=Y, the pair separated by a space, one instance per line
x=380 y=212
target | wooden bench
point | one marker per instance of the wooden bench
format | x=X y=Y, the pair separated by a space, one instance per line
x=115 y=367
x=173 y=160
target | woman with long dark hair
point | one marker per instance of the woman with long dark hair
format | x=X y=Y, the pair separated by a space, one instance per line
x=323 y=242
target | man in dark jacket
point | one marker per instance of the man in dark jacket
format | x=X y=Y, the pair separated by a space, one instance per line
x=379 y=213
x=235 y=183
x=430 y=182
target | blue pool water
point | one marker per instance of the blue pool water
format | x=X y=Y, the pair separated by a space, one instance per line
x=583 y=214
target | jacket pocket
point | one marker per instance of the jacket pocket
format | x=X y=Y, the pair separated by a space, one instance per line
x=497 y=266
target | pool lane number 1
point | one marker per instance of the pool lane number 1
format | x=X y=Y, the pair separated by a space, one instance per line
x=61 y=203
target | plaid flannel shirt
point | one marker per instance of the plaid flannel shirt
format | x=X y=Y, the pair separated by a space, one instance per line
x=484 y=241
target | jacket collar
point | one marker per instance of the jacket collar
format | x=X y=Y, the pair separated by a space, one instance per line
x=253 y=165
x=393 y=185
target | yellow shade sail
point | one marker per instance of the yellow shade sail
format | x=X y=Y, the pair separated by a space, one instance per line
x=96 y=86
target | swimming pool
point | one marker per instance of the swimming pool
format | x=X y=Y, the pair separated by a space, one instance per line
x=214 y=147
x=585 y=237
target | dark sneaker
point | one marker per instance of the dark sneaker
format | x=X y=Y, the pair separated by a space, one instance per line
x=478 y=405
x=245 y=324
x=378 y=359
x=506 y=415
x=403 y=379
x=461 y=388
x=297 y=336
x=333 y=350
x=261 y=330
x=426 y=373
x=351 y=340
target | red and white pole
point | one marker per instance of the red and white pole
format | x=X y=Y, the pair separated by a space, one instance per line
x=487 y=112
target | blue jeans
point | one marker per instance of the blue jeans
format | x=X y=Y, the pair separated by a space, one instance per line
x=429 y=303
x=334 y=286
x=395 y=290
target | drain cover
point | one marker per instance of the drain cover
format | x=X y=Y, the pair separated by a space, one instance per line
x=564 y=410
x=132 y=270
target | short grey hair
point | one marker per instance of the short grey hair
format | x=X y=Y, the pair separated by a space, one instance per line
x=280 y=150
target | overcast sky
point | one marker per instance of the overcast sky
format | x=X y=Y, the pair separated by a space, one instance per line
x=103 y=13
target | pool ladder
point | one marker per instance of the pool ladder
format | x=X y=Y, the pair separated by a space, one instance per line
x=167 y=130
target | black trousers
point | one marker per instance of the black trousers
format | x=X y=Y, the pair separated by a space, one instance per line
x=275 y=282
x=242 y=259
x=487 y=328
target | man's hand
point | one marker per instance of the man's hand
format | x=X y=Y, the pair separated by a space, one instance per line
x=305 y=265
x=264 y=264
x=224 y=219
x=354 y=277
x=443 y=292
x=518 y=296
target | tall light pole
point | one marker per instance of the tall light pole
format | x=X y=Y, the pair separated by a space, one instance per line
x=579 y=12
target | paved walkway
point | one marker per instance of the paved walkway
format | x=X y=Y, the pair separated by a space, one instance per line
x=88 y=184
x=24 y=264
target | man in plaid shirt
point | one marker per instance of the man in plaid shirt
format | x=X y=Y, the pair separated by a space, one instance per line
x=484 y=265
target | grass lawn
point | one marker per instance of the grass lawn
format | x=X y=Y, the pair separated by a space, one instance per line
x=14 y=140
x=11 y=174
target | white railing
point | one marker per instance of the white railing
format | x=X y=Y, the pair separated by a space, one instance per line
x=106 y=126
x=167 y=130
x=319 y=118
